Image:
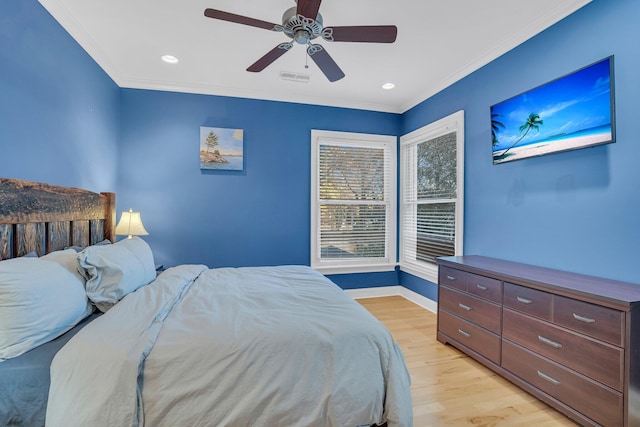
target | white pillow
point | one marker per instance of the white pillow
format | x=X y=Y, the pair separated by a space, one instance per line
x=39 y=301
x=113 y=271
x=68 y=259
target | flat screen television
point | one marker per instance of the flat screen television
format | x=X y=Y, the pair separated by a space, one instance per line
x=574 y=111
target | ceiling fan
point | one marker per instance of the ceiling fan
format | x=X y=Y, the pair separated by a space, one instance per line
x=303 y=23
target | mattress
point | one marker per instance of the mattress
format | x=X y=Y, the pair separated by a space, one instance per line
x=24 y=382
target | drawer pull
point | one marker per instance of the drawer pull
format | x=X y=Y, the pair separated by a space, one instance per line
x=451 y=277
x=466 y=334
x=481 y=287
x=524 y=300
x=548 y=378
x=549 y=342
x=465 y=307
x=583 y=319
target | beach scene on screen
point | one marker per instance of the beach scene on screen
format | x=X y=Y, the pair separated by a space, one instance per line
x=572 y=112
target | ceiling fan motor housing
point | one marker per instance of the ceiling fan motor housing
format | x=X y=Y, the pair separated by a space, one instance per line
x=301 y=29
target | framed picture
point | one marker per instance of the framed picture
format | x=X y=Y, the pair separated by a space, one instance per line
x=221 y=148
x=574 y=111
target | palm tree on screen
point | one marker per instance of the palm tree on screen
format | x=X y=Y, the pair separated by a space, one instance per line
x=533 y=122
x=495 y=127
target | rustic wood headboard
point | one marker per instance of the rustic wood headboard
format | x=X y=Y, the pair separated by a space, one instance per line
x=42 y=218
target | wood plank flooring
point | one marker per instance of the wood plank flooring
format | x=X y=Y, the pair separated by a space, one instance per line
x=448 y=388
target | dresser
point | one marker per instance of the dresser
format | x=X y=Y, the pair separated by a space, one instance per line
x=571 y=340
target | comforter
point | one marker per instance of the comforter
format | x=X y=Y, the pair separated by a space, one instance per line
x=263 y=346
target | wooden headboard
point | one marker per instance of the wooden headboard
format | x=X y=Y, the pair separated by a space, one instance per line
x=42 y=218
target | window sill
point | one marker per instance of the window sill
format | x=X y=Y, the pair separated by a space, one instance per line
x=377 y=268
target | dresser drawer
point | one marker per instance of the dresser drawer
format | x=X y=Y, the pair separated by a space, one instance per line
x=595 y=359
x=596 y=321
x=483 y=313
x=530 y=301
x=470 y=335
x=482 y=286
x=485 y=287
x=594 y=400
x=452 y=277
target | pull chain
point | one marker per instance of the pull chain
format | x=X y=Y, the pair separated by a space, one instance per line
x=306 y=57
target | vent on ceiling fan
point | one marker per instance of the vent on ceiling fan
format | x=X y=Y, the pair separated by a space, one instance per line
x=302 y=24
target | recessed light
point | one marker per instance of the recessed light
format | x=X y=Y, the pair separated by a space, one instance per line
x=388 y=86
x=170 y=59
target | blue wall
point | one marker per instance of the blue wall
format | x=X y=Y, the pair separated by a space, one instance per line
x=66 y=122
x=260 y=216
x=579 y=210
x=58 y=109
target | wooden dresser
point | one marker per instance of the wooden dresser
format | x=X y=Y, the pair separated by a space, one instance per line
x=571 y=340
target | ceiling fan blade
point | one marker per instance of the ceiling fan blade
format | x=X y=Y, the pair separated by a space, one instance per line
x=364 y=34
x=239 y=19
x=308 y=8
x=270 y=57
x=326 y=64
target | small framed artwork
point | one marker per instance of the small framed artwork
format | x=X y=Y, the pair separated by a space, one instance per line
x=221 y=148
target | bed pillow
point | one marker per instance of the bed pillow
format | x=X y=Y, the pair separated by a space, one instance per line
x=113 y=271
x=68 y=259
x=80 y=248
x=39 y=301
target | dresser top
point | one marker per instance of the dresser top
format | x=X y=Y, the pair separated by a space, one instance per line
x=593 y=289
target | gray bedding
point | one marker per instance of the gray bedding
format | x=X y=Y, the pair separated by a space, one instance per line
x=269 y=346
x=24 y=382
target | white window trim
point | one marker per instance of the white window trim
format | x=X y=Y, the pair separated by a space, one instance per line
x=358 y=265
x=455 y=121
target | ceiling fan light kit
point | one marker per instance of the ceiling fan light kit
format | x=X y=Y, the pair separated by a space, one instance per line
x=302 y=24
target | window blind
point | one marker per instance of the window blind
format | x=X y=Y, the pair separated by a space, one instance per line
x=352 y=201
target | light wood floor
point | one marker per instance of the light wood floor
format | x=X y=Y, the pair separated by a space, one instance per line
x=449 y=388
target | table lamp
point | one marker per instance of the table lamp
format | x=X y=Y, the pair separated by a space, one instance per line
x=130 y=224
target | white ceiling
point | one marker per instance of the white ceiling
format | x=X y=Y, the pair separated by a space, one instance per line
x=438 y=43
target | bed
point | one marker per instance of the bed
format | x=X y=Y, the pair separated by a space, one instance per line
x=252 y=346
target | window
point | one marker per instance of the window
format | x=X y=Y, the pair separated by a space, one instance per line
x=431 y=195
x=353 y=202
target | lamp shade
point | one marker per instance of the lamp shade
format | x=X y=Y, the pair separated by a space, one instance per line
x=130 y=224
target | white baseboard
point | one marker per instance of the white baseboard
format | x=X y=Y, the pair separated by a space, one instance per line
x=382 y=291
x=387 y=291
